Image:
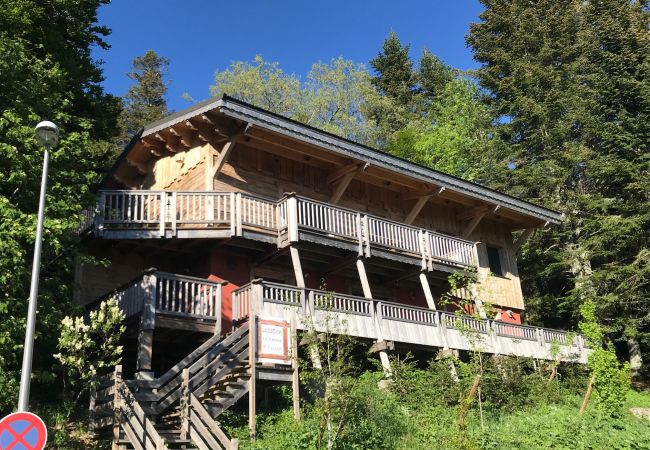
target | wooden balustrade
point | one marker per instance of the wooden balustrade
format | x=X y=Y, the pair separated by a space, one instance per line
x=162 y=213
x=131 y=207
x=515 y=331
x=465 y=323
x=278 y=293
x=331 y=301
x=191 y=208
x=394 y=235
x=412 y=314
x=187 y=295
x=258 y=212
x=326 y=218
x=389 y=316
x=171 y=294
x=241 y=302
x=551 y=336
x=451 y=250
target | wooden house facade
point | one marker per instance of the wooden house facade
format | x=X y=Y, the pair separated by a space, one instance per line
x=243 y=212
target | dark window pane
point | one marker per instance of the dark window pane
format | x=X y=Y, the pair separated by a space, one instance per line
x=495 y=260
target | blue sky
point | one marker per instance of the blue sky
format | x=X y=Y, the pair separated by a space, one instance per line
x=201 y=37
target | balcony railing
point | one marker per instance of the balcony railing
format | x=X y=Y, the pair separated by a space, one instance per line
x=358 y=316
x=168 y=294
x=137 y=214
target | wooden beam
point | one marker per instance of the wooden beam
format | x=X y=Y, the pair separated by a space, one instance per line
x=226 y=150
x=430 y=192
x=270 y=256
x=341 y=187
x=427 y=290
x=224 y=154
x=523 y=237
x=417 y=207
x=297 y=267
x=471 y=213
x=136 y=165
x=382 y=346
x=473 y=224
x=341 y=171
x=344 y=181
x=339 y=264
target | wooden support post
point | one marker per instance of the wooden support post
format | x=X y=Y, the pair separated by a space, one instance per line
x=297 y=267
x=480 y=254
x=295 y=378
x=147 y=325
x=292 y=218
x=117 y=407
x=427 y=290
x=367 y=293
x=162 y=214
x=99 y=216
x=185 y=403
x=255 y=303
x=210 y=152
x=468 y=401
x=217 y=309
x=585 y=400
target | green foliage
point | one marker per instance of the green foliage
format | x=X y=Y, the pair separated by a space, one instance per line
x=611 y=380
x=144 y=102
x=335 y=96
x=46 y=72
x=570 y=82
x=93 y=348
x=395 y=77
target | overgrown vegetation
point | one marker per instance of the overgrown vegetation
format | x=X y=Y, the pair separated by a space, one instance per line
x=519 y=409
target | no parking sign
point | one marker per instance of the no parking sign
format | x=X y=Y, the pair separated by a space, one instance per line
x=22 y=431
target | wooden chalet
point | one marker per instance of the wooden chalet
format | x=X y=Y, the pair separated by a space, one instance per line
x=224 y=215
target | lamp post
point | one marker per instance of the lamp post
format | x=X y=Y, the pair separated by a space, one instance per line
x=47 y=135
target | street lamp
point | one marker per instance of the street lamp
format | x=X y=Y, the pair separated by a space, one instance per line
x=47 y=135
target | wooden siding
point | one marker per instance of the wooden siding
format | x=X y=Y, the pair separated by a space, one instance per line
x=260 y=173
x=270 y=173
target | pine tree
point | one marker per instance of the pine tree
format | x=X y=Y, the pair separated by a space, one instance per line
x=144 y=101
x=395 y=77
x=573 y=81
x=433 y=76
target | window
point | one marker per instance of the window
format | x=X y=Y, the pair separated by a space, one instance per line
x=494 y=258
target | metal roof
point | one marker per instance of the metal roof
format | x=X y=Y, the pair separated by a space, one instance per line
x=264 y=119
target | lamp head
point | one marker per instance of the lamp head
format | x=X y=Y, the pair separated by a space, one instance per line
x=47 y=134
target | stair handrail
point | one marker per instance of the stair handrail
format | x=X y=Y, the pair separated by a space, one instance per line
x=166 y=390
x=130 y=417
x=204 y=429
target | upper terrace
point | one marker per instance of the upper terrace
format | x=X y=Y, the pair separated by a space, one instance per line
x=164 y=214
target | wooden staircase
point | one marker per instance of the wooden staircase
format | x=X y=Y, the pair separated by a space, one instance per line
x=178 y=409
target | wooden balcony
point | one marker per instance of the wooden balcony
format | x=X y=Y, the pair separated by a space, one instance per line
x=160 y=214
x=169 y=300
x=323 y=311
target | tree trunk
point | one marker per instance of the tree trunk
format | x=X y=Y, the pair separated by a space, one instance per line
x=636 y=359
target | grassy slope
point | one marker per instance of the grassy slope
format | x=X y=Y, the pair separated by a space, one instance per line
x=427 y=426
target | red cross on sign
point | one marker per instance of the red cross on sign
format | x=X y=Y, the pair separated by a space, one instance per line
x=22 y=431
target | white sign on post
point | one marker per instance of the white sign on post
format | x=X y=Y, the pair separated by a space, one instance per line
x=273 y=338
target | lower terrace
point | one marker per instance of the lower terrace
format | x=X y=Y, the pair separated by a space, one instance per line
x=166 y=300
